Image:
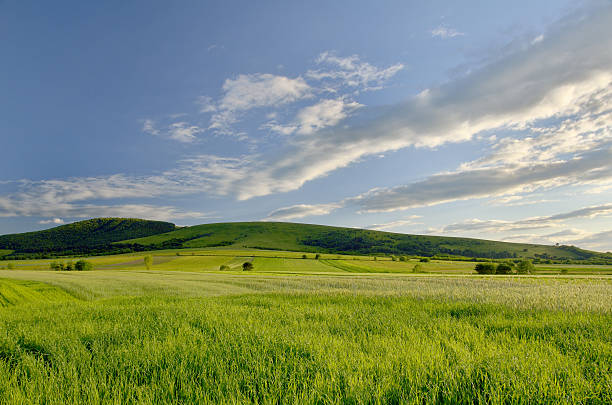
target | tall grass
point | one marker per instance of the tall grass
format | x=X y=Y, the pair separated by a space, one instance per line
x=175 y=337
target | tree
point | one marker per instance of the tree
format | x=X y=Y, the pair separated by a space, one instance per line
x=418 y=269
x=525 y=267
x=304 y=256
x=246 y=266
x=424 y=259
x=57 y=266
x=10 y=266
x=402 y=258
x=503 y=268
x=485 y=268
x=69 y=266
x=317 y=256
x=82 y=265
x=148 y=261
x=224 y=267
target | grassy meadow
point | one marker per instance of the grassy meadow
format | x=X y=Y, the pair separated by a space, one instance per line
x=335 y=330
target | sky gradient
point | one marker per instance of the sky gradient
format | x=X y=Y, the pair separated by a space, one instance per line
x=481 y=119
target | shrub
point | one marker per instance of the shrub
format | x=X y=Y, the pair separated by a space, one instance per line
x=317 y=256
x=563 y=271
x=69 y=266
x=402 y=258
x=57 y=266
x=148 y=261
x=393 y=258
x=10 y=266
x=83 y=265
x=246 y=266
x=424 y=259
x=304 y=257
x=418 y=269
x=503 y=268
x=525 y=267
x=485 y=268
x=224 y=267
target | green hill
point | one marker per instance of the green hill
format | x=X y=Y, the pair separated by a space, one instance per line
x=319 y=238
x=119 y=235
x=83 y=236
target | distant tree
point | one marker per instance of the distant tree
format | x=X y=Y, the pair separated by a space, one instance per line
x=317 y=256
x=82 y=265
x=418 y=269
x=424 y=259
x=503 y=268
x=525 y=267
x=57 y=266
x=148 y=261
x=393 y=258
x=304 y=257
x=374 y=258
x=563 y=271
x=402 y=258
x=224 y=267
x=69 y=266
x=485 y=268
x=10 y=266
x=246 y=266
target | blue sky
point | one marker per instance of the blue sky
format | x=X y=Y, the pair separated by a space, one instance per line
x=480 y=119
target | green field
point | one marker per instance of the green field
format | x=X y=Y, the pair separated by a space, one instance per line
x=293 y=330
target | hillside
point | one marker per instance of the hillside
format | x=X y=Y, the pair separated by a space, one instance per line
x=81 y=236
x=319 y=238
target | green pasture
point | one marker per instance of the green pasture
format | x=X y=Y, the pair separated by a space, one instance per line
x=166 y=336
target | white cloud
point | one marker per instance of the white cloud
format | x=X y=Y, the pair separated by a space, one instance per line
x=178 y=131
x=394 y=224
x=352 y=72
x=148 y=127
x=300 y=211
x=183 y=132
x=254 y=91
x=323 y=114
x=56 y=221
x=445 y=32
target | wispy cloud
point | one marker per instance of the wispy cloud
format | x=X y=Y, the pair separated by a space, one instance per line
x=351 y=71
x=395 y=224
x=55 y=221
x=300 y=211
x=445 y=32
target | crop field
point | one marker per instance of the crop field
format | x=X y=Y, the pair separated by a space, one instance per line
x=299 y=330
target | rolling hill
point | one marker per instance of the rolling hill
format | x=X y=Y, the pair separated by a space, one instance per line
x=319 y=238
x=82 y=236
x=117 y=235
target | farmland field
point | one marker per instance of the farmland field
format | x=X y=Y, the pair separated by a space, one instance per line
x=348 y=330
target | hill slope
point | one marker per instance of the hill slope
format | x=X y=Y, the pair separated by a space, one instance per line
x=83 y=235
x=319 y=238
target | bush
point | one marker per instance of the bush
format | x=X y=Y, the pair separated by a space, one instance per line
x=246 y=266
x=424 y=259
x=563 y=271
x=503 y=268
x=485 y=268
x=402 y=258
x=57 y=266
x=418 y=269
x=148 y=261
x=83 y=265
x=525 y=267
x=224 y=267
x=317 y=256
x=393 y=258
x=304 y=257
x=10 y=266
